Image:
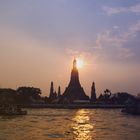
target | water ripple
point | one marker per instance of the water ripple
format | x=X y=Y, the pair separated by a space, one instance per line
x=61 y=124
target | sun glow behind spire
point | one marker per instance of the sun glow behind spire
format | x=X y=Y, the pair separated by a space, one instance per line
x=80 y=63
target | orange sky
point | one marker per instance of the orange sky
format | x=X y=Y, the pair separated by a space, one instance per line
x=28 y=62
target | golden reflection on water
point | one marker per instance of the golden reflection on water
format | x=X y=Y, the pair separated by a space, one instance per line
x=83 y=129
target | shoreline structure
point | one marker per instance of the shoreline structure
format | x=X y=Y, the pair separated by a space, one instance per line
x=74 y=106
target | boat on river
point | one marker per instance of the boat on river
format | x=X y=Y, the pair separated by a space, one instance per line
x=11 y=110
x=133 y=109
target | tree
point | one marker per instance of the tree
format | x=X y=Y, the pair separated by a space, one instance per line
x=8 y=96
x=28 y=94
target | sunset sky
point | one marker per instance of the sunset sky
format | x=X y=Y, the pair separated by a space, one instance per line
x=40 y=38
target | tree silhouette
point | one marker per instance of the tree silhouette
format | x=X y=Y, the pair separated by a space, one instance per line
x=28 y=94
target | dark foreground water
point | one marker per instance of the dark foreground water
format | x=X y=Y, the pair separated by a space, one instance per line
x=59 y=124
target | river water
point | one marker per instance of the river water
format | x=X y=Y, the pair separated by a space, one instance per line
x=71 y=124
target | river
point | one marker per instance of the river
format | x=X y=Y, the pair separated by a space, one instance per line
x=70 y=124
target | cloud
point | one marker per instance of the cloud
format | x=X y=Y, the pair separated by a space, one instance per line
x=116 y=40
x=79 y=53
x=107 y=43
x=132 y=9
x=90 y=58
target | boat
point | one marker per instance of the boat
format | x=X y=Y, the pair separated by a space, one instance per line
x=131 y=110
x=132 y=106
x=11 y=110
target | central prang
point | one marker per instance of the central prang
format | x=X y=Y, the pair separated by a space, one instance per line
x=74 y=91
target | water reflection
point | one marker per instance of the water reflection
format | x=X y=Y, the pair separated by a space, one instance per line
x=65 y=124
x=82 y=127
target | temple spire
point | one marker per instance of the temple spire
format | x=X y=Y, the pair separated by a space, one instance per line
x=51 y=90
x=93 y=93
x=59 y=91
x=74 y=74
x=74 y=91
x=74 y=64
x=53 y=94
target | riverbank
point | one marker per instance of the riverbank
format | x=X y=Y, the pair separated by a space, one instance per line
x=73 y=106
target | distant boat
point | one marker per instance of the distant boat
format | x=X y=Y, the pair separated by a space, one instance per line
x=133 y=109
x=12 y=110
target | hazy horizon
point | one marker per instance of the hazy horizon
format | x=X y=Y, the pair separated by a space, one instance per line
x=39 y=40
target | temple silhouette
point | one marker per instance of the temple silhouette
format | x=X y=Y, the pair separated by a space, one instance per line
x=74 y=90
x=93 y=93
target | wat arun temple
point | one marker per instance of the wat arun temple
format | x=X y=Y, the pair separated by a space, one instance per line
x=74 y=91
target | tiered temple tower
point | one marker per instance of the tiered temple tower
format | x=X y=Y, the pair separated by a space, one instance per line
x=93 y=93
x=53 y=94
x=74 y=91
x=59 y=92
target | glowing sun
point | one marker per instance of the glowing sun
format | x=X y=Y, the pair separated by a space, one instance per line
x=80 y=63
